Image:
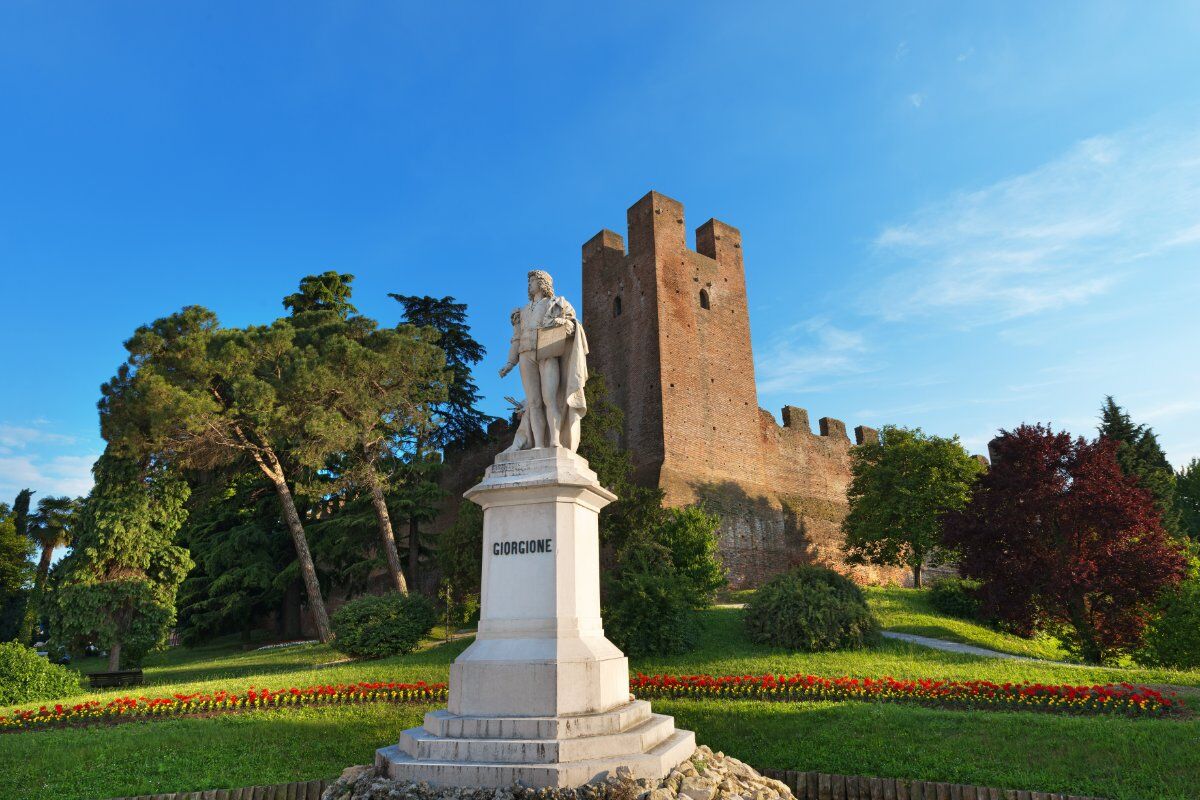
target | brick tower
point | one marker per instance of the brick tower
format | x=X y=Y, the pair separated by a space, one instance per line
x=669 y=328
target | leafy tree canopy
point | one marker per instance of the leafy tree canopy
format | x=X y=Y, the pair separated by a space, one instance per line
x=117 y=587
x=899 y=490
x=16 y=570
x=1062 y=538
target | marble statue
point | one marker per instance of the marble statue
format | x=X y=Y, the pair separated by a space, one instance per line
x=549 y=346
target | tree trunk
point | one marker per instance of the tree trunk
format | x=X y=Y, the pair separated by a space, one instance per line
x=114 y=657
x=1089 y=647
x=289 y=621
x=43 y=569
x=414 y=550
x=916 y=571
x=312 y=587
x=385 y=533
x=33 y=604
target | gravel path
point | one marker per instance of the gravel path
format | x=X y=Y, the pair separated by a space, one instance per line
x=969 y=649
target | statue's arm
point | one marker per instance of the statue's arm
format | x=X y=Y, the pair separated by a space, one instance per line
x=514 y=351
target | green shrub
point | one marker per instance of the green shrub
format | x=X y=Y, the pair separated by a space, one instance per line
x=374 y=626
x=810 y=608
x=25 y=676
x=1173 y=638
x=648 y=604
x=956 y=597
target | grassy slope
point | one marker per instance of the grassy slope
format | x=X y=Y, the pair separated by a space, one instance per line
x=1111 y=757
x=909 y=611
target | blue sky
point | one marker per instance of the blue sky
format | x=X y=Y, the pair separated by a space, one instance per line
x=957 y=216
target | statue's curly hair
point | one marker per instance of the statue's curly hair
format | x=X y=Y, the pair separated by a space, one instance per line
x=544 y=282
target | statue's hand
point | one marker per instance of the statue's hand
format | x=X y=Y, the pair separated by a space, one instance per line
x=507 y=368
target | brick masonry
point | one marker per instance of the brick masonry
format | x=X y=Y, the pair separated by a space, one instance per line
x=669 y=328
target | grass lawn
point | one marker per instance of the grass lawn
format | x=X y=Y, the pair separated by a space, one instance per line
x=1106 y=756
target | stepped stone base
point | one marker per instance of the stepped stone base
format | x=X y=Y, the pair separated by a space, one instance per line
x=553 y=752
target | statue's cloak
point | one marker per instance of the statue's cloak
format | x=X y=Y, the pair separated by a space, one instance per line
x=572 y=376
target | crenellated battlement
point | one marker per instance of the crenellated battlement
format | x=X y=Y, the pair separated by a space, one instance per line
x=655 y=224
x=796 y=419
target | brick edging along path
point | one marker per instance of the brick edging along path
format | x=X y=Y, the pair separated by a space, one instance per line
x=805 y=785
x=824 y=786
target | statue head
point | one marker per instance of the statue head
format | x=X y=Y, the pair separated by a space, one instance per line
x=540 y=280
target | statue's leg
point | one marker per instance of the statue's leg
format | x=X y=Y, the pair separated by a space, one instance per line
x=534 y=410
x=549 y=380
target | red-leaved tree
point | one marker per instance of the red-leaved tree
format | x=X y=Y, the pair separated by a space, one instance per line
x=1061 y=538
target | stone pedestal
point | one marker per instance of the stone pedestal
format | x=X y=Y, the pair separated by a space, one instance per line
x=541 y=697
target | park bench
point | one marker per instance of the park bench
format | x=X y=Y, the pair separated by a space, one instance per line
x=125 y=677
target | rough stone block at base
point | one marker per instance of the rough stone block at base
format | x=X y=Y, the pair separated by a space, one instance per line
x=645 y=736
x=652 y=765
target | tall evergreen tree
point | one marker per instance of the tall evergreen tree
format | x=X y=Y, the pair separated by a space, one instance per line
x=1141 y=457
x=117 y=587
x=245 y=561
x=202 y=396
x=20 y=512
x=453 y=422
x=1187 y=499
x=459 y=422
x=329 y=291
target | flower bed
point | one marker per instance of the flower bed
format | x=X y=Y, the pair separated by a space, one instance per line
x=1122 y=698
x=124 y=709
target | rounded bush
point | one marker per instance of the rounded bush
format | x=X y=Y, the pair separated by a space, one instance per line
x=810 y=608
x=956 y=597
x=647 y=603
x=25 y=676
x=1173 y=638
x=374 y=626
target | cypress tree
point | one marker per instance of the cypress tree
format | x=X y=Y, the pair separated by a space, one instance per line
x=1142 y=458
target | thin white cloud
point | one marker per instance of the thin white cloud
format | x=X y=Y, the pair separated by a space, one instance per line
x=808 y=353
x=31 y=457
x=14 y=436
x=916 y=99
x=1109 y=209
x=59 y=475
x=1170 y=410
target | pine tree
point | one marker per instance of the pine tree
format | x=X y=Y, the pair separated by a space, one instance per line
x=380 y=383
x=201 y=396
x=454 y=422
x=1141 y=457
